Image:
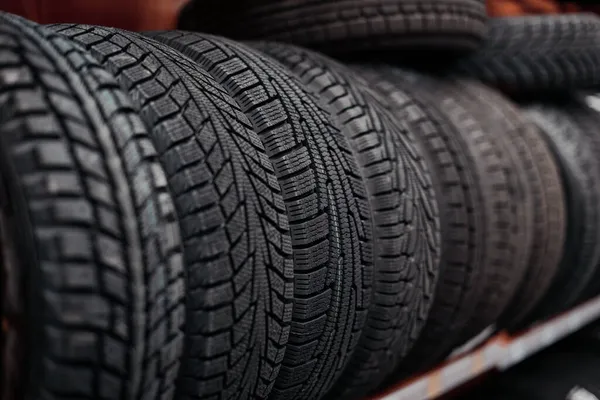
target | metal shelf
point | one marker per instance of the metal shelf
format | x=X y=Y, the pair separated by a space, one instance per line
x=500 y=352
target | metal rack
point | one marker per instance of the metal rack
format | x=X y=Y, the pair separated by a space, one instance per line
x=500 y=352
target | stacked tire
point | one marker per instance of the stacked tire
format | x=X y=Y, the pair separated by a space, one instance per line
x=200 y=226
x=187 y=216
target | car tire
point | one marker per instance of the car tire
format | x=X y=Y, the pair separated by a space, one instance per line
x=234 y=225
x=87 y=223
x=404 y=209
x=328 y=211
x=527 y=55
x=345 y=26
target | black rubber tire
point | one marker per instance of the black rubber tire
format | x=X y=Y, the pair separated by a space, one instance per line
x=549 y=213
x=345 y=26
x=327 y=206
x=525 y=55
x=473 y=192
x=580 y=170
x=542 y=175
x=507 y=129
x=236 y=236
x=588 y=119
x=92 y=223
x=405 y=215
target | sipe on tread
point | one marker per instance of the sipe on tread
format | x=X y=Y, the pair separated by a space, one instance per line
x=404 y=209
x=94 y=224
x=325 y=197
x=235 y=231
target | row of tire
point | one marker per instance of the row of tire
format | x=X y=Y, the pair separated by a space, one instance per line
x=186 y=216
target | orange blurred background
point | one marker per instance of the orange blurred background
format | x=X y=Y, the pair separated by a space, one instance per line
x=140 y=15
x=134 y=15
x=529 y=7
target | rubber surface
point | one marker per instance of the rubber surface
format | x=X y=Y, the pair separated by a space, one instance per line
x=473 y=191
x=327 y=207
x=549 y=211
x=529 y=54
x=405 y=215
x=344 y=26
x=507 y=130
x=588 y=119
x=580 y=171
x=231 y=208
x=95 y=225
